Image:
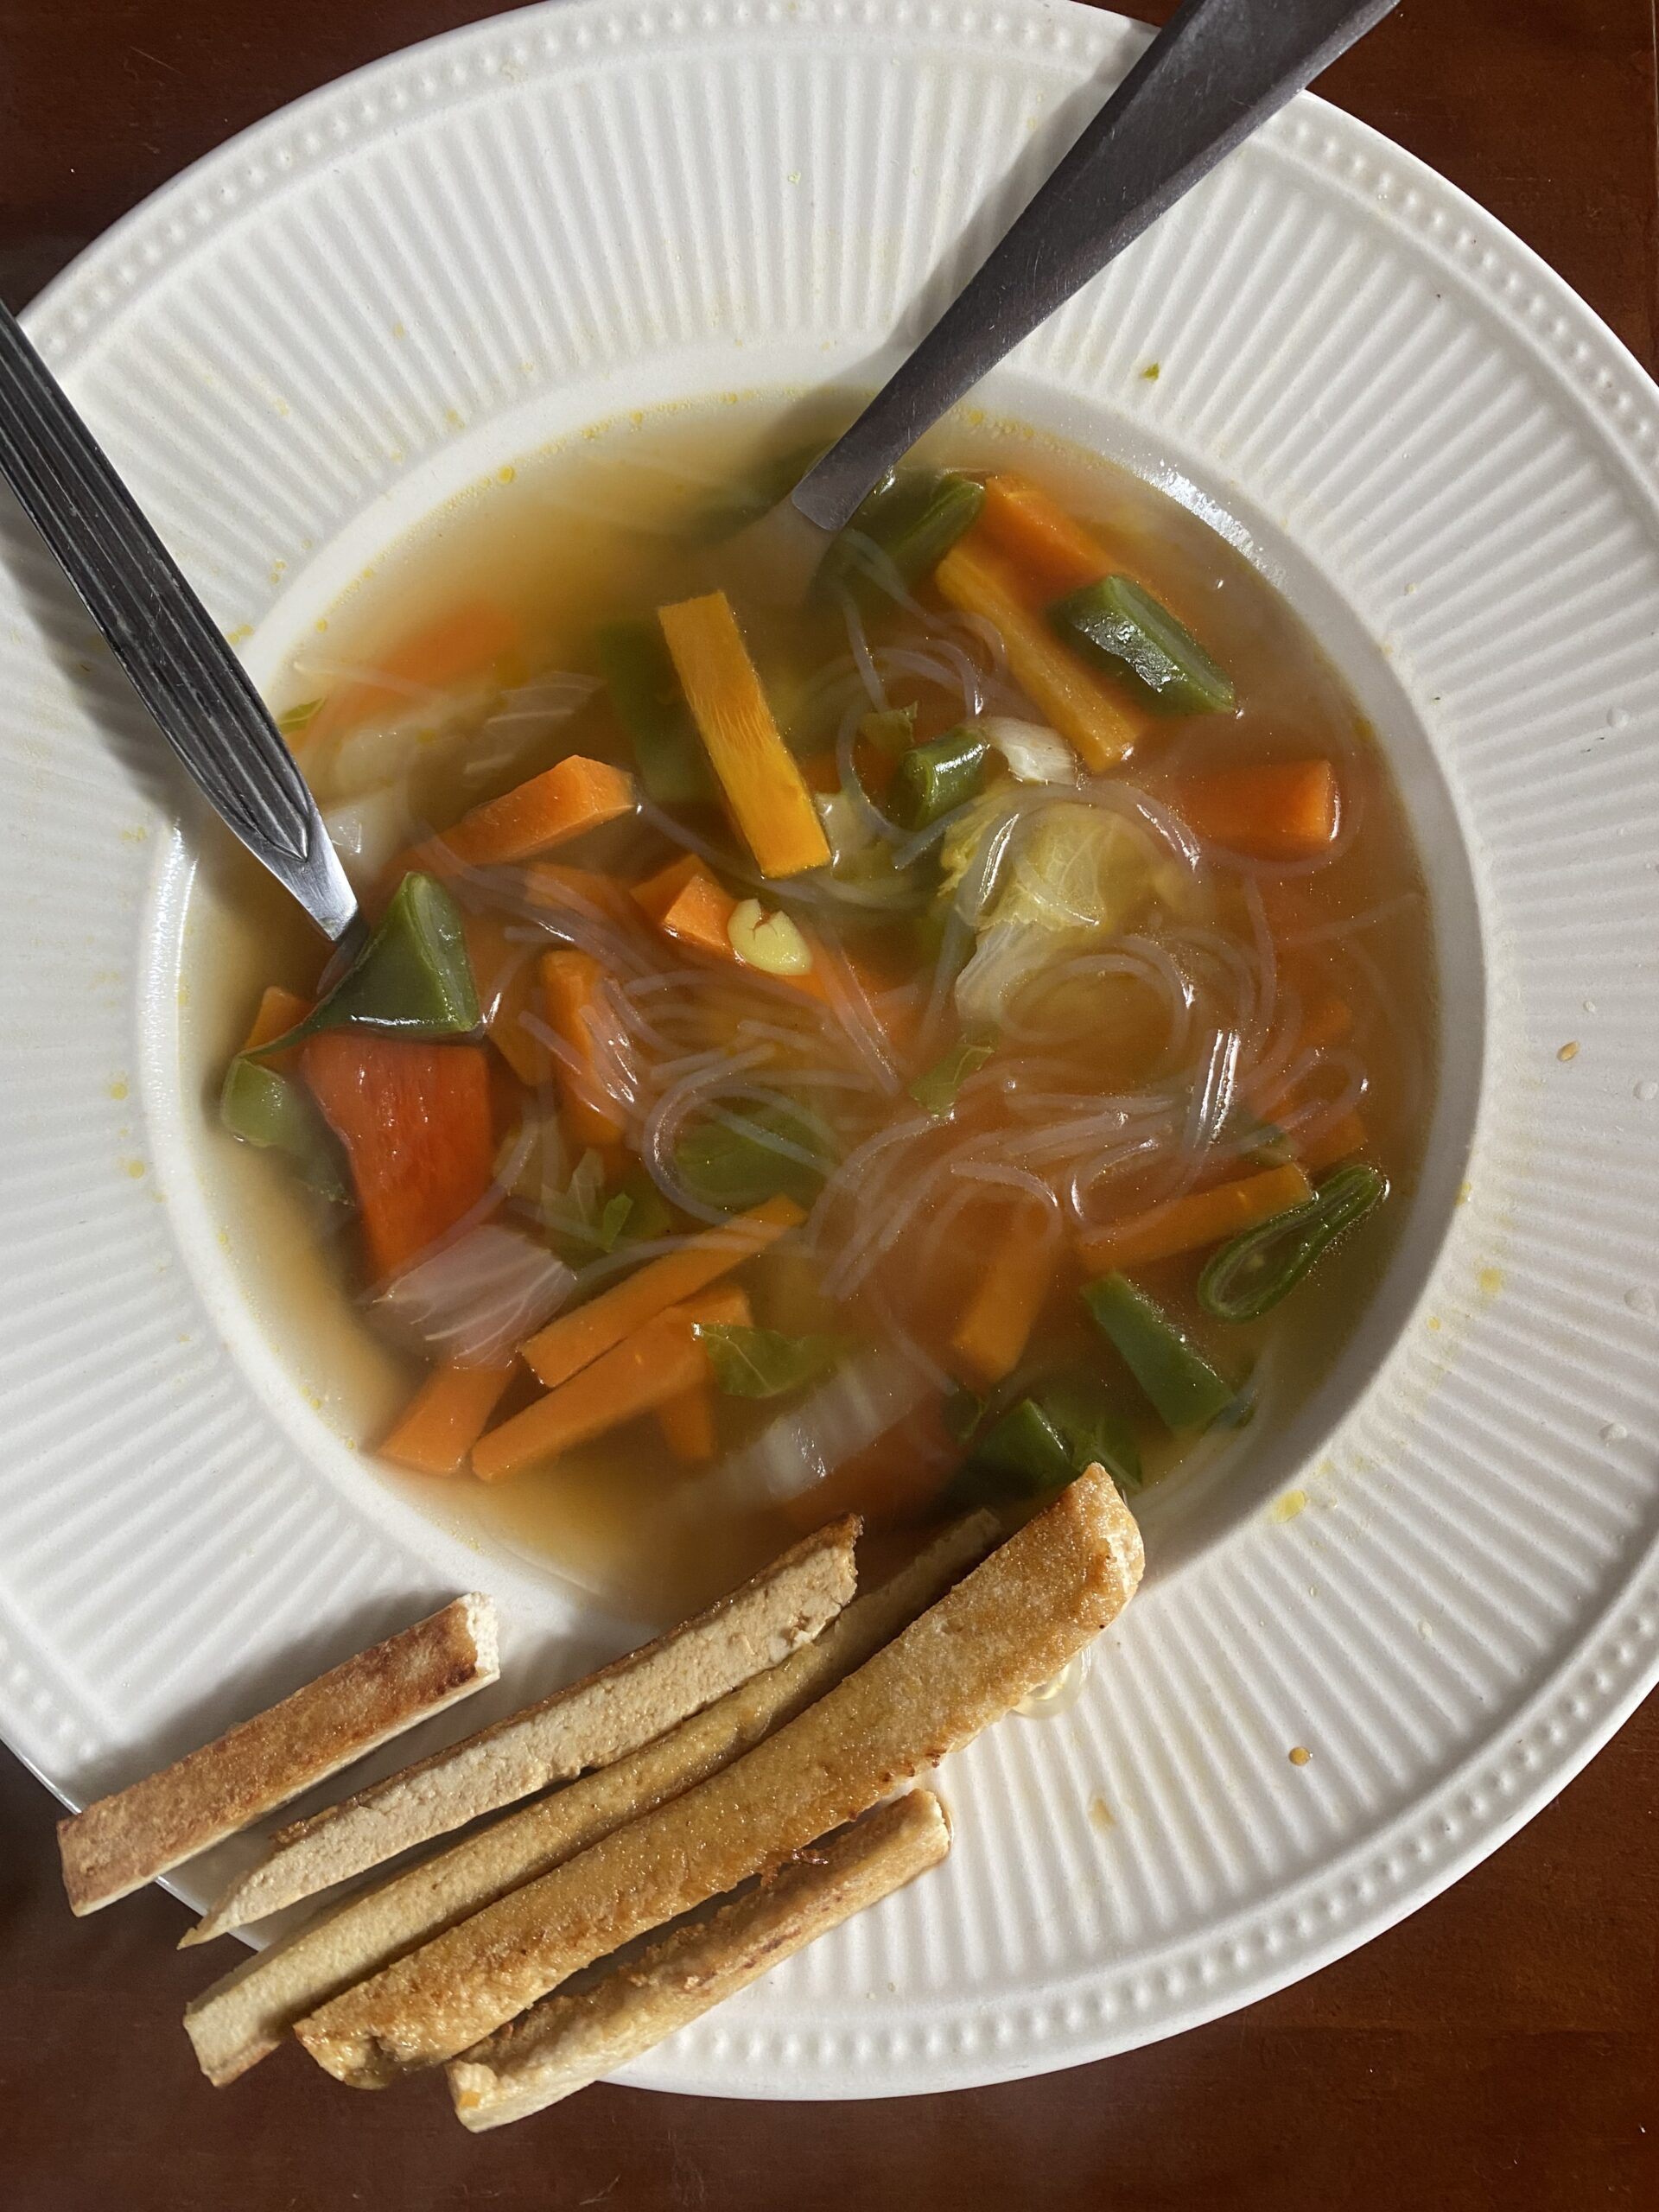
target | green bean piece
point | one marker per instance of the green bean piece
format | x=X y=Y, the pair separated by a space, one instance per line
x=645 y=693
x=1021 y=1454
x=262 y=1108
x=901 y=533
x=1187 y=1391
x=934 y=1090
x=935 y=779
x=1248 y=1277
x=413 y=976
x=1125 y=630
x=1047 y=1438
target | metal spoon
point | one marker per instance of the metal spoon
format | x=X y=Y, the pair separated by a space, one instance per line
x=194 y=685
x=1217 y=70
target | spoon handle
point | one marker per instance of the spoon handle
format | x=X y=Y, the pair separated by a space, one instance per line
x=1217 y=70
x=193 y=684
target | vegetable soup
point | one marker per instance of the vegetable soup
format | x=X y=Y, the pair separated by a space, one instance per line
x=880 y=1046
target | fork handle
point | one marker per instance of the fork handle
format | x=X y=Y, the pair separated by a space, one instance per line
x=1217 y=70
x=194 y=687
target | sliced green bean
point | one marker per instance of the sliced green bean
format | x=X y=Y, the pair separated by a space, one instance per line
x=935 y=779
x=1124 y=630
x=901 y=533
x=1248 y=1276
x=1183 y=1386
x=646 y=693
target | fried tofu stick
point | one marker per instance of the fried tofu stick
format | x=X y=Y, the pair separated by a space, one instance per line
x=245 y=2017
x=587 y=1724
x=118 y=1844
x=1007 y=1627
x=563 y=2043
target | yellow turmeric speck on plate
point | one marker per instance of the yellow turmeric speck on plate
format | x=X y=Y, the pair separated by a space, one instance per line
x=117 y=1089
x=1151 y=373
x=1490 y=1282
x=1300 y=1754
x=1287 y=1507
x=1569 y=1051
x=1100 y=1813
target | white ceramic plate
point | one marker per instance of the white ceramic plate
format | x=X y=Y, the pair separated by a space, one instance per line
x=1445 y=1584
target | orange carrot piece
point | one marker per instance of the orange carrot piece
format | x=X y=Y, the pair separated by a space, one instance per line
x=686 y=901
x=1340 y=1141
x=574 y=1339
x=764 y=788
x=572 y=796
x=415 y=1120
x=1203 y=1217
x=280 y=1010
x=505 y=973
x=1277 y=811
x=662 y=1360
x=459 y=643
x=997 y=1322
x=552 y=883
x=571 y=989
x=445 y=1418
x=1102 y=722
x=1053 y=553
x=688 y=1422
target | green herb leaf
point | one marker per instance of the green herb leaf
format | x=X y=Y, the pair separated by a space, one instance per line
x=892 y=731
x=293 y=720
x=764 y=1363
x=736 y=1161
x=613 y=1220
x=935 y=1092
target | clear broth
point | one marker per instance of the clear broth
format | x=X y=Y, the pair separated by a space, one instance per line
x=602 y=528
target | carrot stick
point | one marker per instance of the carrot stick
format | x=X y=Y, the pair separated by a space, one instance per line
x=688 y=1422
x=280 y=1010
x=1053 y=554
x=1204 y=1217
x=686 y=902
x=577 y=1016
x=415 y=1121
x=1340 y=1141
x=998 y=1319
x=571 y=1341
x=459 y=644
x=445 y=1418
x=1102 y=722
x=572 y=796
x=662 y=1360
x=1277 y=811
x=506 y=975
x=763 y=784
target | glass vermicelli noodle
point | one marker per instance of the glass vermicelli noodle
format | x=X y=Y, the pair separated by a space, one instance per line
x=858 y=1112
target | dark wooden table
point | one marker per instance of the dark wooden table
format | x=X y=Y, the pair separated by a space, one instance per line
x=1498 y=2053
